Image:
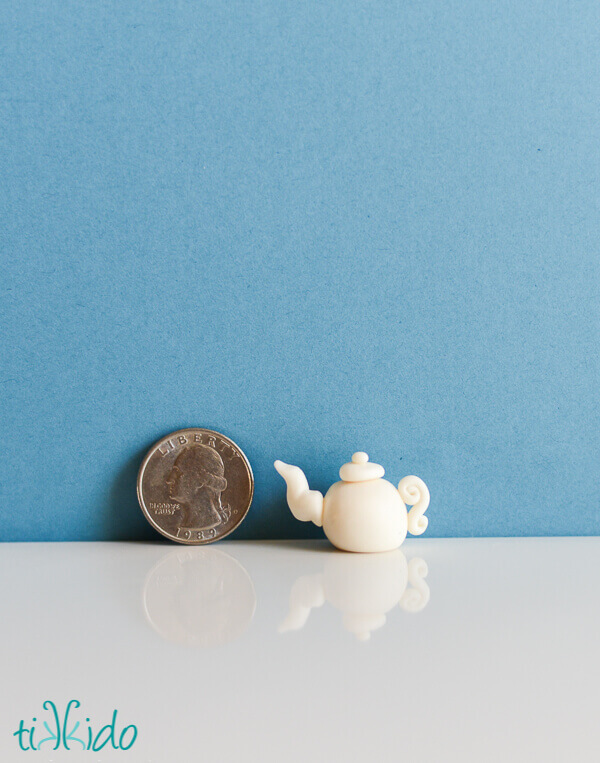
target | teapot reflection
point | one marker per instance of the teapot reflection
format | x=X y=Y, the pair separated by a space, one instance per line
x=199 y=597
x=363 y=587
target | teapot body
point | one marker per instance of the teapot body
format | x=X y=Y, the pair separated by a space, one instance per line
x=364 y=516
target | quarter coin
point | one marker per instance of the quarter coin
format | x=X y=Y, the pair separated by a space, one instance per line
x=195 y=486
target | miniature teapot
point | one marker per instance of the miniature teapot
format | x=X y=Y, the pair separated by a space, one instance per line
x=364 y=588
x=363 y=512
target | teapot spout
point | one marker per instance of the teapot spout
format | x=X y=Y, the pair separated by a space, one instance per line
x=305 y=504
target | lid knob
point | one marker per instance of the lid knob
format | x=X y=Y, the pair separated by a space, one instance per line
x=360 y=458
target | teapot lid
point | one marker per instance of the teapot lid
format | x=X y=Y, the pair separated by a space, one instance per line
x=361 y=469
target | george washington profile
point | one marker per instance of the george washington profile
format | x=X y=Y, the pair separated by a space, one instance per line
x=196 y=482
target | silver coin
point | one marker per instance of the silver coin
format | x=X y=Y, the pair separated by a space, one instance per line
x=195 y=486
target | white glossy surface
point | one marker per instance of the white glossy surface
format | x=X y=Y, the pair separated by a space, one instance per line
x=499 y=663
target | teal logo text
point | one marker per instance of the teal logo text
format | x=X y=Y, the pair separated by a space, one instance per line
x=56 y=730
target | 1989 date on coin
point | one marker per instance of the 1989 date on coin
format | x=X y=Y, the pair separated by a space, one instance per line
x=195 y=486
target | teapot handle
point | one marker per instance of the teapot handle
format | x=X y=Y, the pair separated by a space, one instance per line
x=414 y=492
x=416 y=598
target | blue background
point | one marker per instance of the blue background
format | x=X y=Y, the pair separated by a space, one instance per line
x=317 y=227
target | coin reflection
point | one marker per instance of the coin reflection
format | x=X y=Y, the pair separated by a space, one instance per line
x=199 y=597
x=363 y=587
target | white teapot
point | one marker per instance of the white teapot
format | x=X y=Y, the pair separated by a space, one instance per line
x=363 y=587
x=363 y=512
